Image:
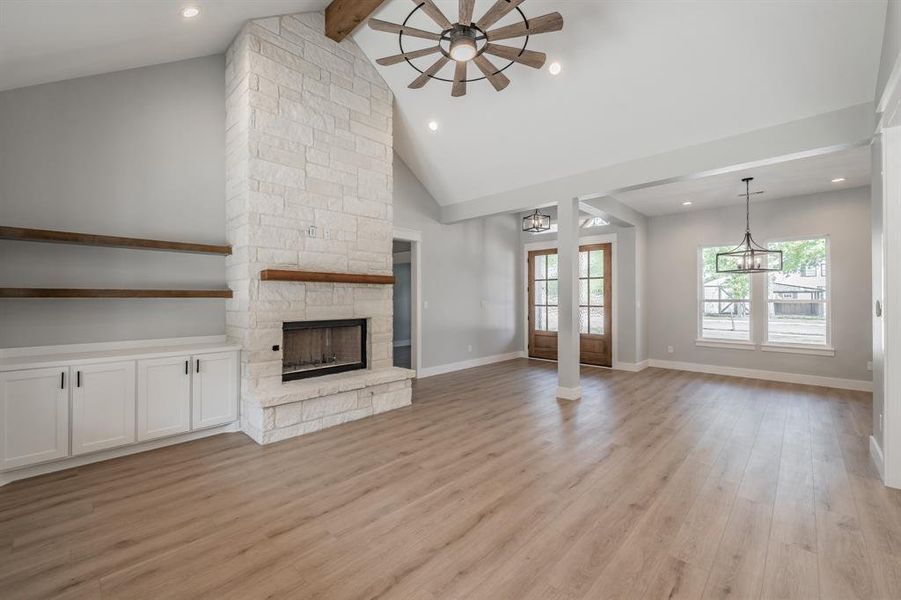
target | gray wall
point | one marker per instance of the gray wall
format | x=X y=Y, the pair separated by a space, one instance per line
x=470 y=277
x=402 y=298
x=624 y=294
x=891 y=45
x=672 y=262
x=135 y=153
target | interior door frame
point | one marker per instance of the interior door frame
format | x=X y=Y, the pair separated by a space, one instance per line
x=607 y=238
x=415 y=238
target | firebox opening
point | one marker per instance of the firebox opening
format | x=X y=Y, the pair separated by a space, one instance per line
x=314 y=348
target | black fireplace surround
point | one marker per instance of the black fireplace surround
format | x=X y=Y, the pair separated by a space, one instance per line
x=315 y=348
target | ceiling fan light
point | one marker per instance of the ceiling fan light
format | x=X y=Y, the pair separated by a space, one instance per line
x=463 y=48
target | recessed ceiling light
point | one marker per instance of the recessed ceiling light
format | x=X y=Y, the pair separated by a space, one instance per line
x=433 y=125
x=686 y=203
x=555 y=68
x=838 y=180
x=189 y=12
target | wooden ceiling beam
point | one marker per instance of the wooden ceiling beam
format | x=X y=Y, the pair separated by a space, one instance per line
x=343 y=16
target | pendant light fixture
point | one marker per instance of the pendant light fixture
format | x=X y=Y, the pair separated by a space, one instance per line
x=536 y=222
x=749 y=256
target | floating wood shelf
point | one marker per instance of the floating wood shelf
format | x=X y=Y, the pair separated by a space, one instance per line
x=109 y=293
x=89 y=239
x=312 y=276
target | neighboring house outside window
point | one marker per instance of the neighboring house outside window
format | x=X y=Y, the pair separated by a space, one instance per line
x=796 y=313
x=798 y=309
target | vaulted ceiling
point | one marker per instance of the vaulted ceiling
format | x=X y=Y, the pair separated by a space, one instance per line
x=639 y=78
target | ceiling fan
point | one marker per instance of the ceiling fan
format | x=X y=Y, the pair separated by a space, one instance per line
x=469 y=40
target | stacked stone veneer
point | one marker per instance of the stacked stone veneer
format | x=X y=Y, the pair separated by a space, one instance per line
x=309 y=186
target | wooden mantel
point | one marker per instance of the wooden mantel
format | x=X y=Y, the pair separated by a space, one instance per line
x=316 y=277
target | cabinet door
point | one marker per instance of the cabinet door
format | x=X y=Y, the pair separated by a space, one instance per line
x=103 y=406
x=164 y=397
x=34 y=416
x=215 y=397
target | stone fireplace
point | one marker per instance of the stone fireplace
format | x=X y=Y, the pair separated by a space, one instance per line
x=309 y=187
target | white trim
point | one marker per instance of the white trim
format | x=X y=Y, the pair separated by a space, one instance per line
x=401 y=343
x=729 y=345
x=606 y=238
x=77 y=461
x=109 y=346
x=631 y=367
x=831 y=382
x=876 y=457
x=467 y=364
x=407 y=235
x=798 y=349
x=573 y=393
x=415 y=239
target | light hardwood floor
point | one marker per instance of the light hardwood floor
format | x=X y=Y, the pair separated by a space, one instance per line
x=661 y=484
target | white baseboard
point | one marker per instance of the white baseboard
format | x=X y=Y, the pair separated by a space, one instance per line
x=632 y=367
x=77 y=461
x=573 y=393
x=467 y=364
x=832 y=382
x=877 y=457
x=401 y=343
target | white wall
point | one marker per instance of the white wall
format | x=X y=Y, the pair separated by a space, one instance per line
x=470 y=277
x=672 y=267
x=135 y=153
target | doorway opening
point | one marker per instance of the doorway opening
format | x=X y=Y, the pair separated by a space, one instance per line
x=403 y=304
x=595 y=304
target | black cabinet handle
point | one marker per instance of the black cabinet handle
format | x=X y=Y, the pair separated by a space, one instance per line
x=198 y=365
x=77 y=378
x=186 y=367
x=62 y=380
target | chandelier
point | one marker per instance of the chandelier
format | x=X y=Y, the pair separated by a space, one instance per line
x=536 y=222
x=748 y=256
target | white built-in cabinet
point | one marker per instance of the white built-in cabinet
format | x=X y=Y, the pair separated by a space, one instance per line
x=103 y=406
x=55 y=412
x=164 y=397
x=35 y=416
x=215 y=387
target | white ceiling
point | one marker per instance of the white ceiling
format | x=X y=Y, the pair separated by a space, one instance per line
x=639 y=78
x=782 y=180
x=51 y=40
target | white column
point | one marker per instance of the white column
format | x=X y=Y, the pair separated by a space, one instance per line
x=891 y=306
x=568 y=385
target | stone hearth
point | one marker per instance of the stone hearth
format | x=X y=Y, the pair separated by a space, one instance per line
x=309 y=183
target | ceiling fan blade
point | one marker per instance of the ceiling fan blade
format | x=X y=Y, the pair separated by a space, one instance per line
x=529 y=58
x=399 y=58
x=466 y=8
x=429 y=8
x=428 y=73
x=380 y=25
x=498 y=80
x=459 y=88
x=543 y=24
x=497 y=12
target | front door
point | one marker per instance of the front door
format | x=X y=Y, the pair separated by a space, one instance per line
x=595 y=306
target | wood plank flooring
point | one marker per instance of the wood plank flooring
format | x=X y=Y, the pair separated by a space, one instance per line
x=660 y=484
